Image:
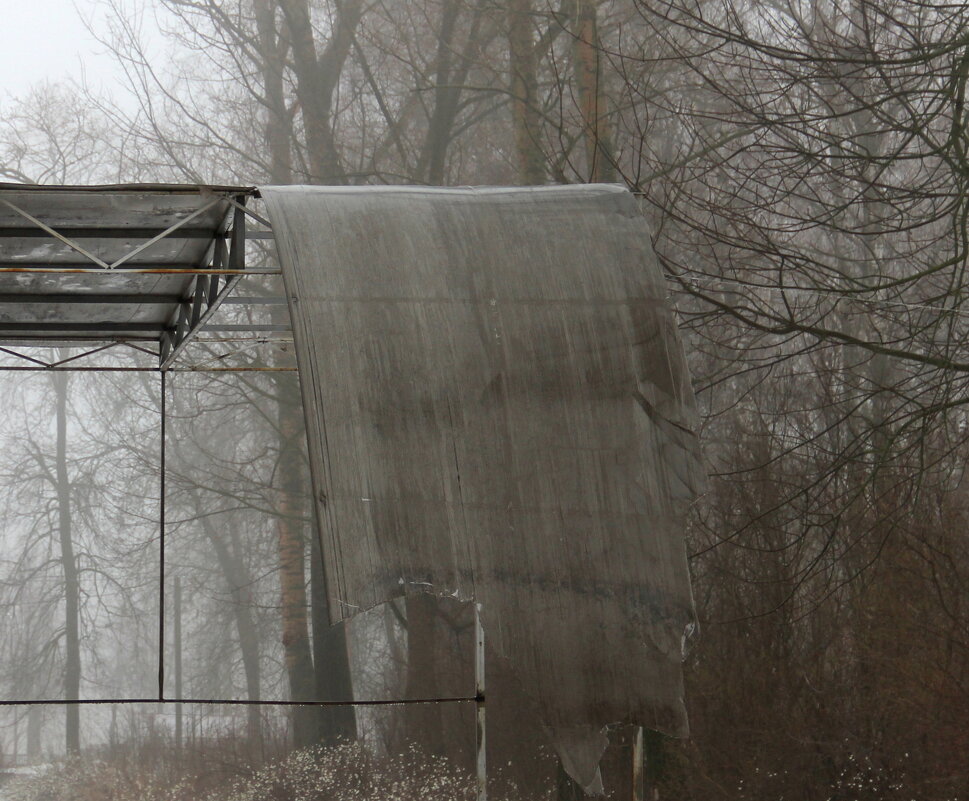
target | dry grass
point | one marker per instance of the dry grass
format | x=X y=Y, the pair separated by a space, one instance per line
x=342 y=773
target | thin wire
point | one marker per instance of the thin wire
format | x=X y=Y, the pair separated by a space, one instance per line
x=242 y=702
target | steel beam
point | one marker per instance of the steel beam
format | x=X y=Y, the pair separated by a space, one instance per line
x=11 y=368
x=243 y=300
x=49 y=269
x=84 y=355
x=207 y=296
x=66 y=240
x=88 y=299
x=86 y=328
x=247 y=327
x=162 y=476
x=168 y=231
x=215 y=274
x=19 y=232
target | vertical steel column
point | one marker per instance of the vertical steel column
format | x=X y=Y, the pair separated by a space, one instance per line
x=178 y=663
x=161 y=548
x=481 y=761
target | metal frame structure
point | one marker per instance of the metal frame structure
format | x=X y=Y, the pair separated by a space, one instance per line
x=142 y=266
x=145 y=267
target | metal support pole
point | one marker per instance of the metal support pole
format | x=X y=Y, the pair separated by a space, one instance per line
x=481 y=761
x=161 y=546
x=178 y=663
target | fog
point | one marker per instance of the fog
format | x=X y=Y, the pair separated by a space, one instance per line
x=804 y=172
x=49 y=41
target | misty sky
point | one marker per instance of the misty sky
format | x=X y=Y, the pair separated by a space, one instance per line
x=47 y=40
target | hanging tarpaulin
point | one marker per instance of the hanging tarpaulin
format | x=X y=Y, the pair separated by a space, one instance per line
x=498 y=408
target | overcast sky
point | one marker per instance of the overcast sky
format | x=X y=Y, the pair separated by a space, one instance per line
x=47 y=40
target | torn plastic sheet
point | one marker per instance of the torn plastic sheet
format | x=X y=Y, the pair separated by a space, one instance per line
x=580 y=749
x=498 y=408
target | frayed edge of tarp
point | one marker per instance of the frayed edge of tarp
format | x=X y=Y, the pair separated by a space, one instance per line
x=580 y=749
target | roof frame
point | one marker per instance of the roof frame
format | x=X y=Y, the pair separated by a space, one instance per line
x=160 y=259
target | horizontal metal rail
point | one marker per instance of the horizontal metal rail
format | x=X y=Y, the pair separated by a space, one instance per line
x=89 y=298
x=87 y=328
x=244 y=300
x=11 y=232
x=128 y=270
x=89 y=232
x=255 y=327
x=44 y=369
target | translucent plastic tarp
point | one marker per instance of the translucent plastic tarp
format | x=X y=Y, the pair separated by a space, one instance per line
x=498 y=409
x=237 y=481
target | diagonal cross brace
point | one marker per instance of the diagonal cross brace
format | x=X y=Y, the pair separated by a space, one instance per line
x=128 y=256
x=69 y=242
x=171 y=229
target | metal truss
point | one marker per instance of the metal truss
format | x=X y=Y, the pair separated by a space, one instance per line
x=158 y=297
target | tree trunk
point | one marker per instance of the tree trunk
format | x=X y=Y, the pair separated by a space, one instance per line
x=34 y=726
x=524 y=93
x=295 y=637
x=593 y=104
x=72 y=642
x=317 y=78
x=274 y=49
x=324 y=672
x=330 y=658
x=237 y=580
x=446 y=97
x=292 y=576
x=450 y=78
